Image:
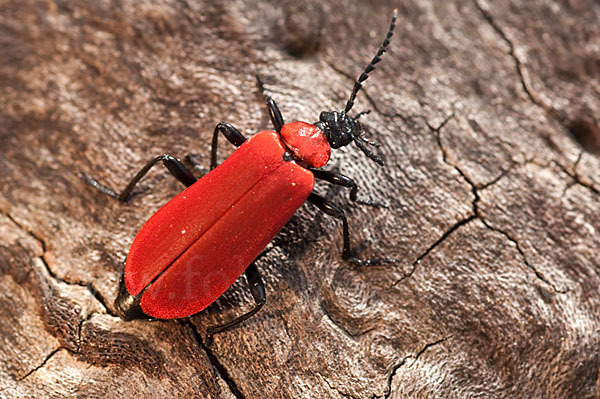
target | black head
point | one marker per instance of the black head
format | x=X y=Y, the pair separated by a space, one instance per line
x=342 y=129
x=338 y=127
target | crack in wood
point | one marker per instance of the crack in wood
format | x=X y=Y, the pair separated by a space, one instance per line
x=576 y=178
x=331 y=387
x=443 y=237
x=440 y=126
x=214 y=361
x=518 y=64
x=100 y=298
x=403 y=361
x=458 y=224
x=80 y=328
x=44 y=249
x=48 y=357
x=96 y=294
x=477 y=214
x=577 y=126
x=42 y=243
x=522 y=253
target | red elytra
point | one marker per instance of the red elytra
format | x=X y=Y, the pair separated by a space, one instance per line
x=195 y=247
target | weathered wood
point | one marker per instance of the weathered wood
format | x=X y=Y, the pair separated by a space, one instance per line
x=488 y=118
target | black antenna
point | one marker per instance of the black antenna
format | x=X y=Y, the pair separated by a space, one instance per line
x=371 y=66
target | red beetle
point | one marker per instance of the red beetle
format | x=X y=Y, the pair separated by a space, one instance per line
x=195 y=246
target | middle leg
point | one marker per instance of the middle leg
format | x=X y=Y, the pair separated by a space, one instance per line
x=333 y=210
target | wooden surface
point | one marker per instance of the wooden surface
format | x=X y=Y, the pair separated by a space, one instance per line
x=488 y=116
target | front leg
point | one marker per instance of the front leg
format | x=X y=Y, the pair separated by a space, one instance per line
x=345 y=181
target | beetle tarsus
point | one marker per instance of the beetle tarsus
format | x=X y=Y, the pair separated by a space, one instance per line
x=371 y=203
x=99 y=186
x=368 y=152
x=362 y=113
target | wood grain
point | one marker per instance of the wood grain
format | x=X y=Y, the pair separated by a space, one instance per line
x=487 y=115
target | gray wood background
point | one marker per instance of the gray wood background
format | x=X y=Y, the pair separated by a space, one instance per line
x=487 y=114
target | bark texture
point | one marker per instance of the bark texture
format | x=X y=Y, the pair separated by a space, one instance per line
x=488 y=117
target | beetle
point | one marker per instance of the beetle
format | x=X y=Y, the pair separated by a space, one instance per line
x=199 y=243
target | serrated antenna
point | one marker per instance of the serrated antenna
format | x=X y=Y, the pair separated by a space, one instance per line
x=363 y=76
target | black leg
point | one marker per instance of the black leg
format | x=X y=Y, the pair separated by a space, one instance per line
x=231 y=133
x=257 y=289
x=345 y=181
x=176 y=168
x=274 y=112
x=333 y=210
